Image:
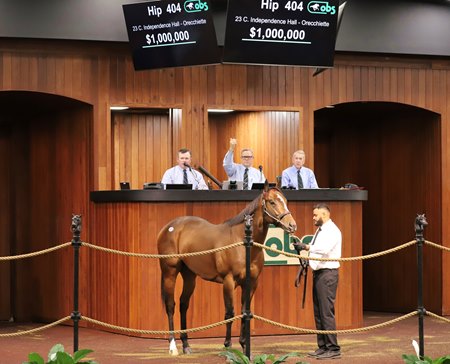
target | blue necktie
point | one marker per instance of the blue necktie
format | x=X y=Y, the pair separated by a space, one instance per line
x=185 y=179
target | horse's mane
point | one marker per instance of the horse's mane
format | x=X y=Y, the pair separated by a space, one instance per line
x=248 y=210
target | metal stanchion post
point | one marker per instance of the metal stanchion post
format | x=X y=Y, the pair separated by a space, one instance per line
x=76 y=243
x=420 y=223
x=248 y=243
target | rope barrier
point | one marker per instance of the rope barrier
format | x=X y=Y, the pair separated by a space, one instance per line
x=348 y=331
x=210 y=251
x=31 y=331
x=40 y=252
x=224 y=322
x=348 y=259
x=160 y=332
x=434 y=245
x=163 y=256
x=437 y=317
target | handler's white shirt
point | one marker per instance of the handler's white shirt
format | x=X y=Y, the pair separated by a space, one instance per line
x=328 y=244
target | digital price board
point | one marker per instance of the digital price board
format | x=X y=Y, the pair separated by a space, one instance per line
x=171 y=34
x=281 y=32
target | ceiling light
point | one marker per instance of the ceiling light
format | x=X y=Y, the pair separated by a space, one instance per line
x=220 y=110
x=119 y=108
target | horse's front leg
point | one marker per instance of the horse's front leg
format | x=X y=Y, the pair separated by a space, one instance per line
x=242 y=336
x=228 y=290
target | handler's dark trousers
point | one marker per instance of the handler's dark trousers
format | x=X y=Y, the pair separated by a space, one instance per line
x=325 y=282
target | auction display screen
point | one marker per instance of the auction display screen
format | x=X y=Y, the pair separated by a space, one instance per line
x=281 y=32
x=171 y=34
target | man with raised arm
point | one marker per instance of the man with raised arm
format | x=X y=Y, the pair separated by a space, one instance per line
x=244 y=171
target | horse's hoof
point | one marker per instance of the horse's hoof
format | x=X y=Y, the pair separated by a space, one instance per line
x=187 y=350
x=173 y=348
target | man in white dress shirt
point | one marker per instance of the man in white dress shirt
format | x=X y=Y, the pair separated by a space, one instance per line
x=183 y=173
x=242 y=172
x=327 y=243
x=298 y=176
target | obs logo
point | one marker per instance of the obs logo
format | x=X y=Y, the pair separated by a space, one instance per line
x=321 y=7
x=280 y=240
x=192 y=6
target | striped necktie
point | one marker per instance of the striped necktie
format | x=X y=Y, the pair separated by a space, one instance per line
x=185 y=179
x=299 y=180
x=245 y=186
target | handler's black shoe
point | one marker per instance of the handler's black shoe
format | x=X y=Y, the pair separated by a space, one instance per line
x=316 y=353
x=330 y=354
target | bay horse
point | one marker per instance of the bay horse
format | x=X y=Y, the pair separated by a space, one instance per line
x=193 y=234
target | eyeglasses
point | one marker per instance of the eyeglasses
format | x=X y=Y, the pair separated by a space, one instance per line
x=246 y=156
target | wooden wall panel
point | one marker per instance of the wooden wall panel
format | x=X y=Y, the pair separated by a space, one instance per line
x=6 y=221
x=49 y=181
x=272 y=135
x=393 y=154
x=143 y=147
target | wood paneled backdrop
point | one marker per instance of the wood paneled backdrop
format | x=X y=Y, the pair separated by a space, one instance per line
x=101 y=74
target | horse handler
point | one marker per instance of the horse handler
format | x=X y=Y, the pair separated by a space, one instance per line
x=327 y=243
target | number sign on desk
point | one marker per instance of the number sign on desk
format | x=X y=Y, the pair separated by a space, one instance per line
x=171 y=34
x=281 y=32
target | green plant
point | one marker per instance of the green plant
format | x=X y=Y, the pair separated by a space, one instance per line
x=57 y=355
x=237 y=357
x=415 y=359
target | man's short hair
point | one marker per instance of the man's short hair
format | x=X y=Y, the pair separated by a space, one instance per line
x=299 y=152
x=184 y=150
x=323 y=206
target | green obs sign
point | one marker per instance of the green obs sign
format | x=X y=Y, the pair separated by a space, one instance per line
x=278 y=239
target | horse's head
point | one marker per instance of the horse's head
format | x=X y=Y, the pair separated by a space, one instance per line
x=76 y=223
x=275 y=209
x=421 y=222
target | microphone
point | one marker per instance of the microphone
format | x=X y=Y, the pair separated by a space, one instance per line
x=260 y=172
x=193 y=174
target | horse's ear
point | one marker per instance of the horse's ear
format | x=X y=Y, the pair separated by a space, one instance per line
x=266 y=185
x=278 y=185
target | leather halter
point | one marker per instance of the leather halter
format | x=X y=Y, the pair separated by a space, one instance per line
x=276 y=218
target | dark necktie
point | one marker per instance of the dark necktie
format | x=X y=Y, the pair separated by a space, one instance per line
x=245 y=186
x=299 y=180
x=315 y=235
x=185 y=179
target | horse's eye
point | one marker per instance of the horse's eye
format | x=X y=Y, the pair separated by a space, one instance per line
x=272 y=202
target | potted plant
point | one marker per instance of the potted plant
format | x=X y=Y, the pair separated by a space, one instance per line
x=234 y=356
x=57 y=355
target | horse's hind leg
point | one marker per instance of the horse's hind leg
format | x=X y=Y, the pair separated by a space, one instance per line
x=168 y=279
x=228 y=291
x=188 y=288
